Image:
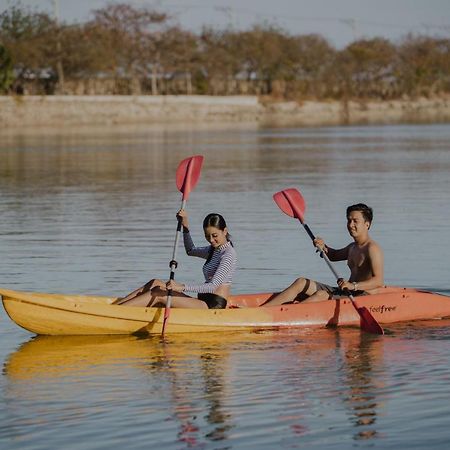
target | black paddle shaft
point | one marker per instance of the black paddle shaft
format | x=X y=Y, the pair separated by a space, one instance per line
x=308 y=230
x=174 y=264
x=323 y=255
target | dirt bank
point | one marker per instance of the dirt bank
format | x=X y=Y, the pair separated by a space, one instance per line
x=60 y=111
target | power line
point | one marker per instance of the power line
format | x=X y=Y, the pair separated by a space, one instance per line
x=353 y=22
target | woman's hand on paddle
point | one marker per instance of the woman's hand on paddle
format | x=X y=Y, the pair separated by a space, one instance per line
x=183 y=216
x=320 y=244
x=174 y=286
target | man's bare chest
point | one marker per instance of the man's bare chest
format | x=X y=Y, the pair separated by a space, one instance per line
x=358 y=259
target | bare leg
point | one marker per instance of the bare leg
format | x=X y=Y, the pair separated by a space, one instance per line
x=182 y=302
x=158 y=297
x=302 y=289
x=145 y=299
x=141 y=290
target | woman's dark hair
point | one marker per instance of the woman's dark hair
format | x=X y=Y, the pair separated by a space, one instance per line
x=217 y=221
x=365 y=210
x=214 y=220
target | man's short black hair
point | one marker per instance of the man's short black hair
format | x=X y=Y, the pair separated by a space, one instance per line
x=365 y=210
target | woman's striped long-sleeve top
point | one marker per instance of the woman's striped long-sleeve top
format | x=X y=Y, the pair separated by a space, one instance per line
x=218 y=270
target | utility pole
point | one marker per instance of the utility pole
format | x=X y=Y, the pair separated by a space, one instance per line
x=229 y=11
x=353 y=24
x=59 y=66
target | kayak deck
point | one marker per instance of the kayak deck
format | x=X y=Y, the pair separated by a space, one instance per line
x=59 y=314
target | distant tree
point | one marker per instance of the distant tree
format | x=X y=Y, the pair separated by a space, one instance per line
x=310 y=58
x=130 y=38
x=262 y=51
x=29 y=39
x=6 y=70
x=85 y=51
x=179 y=55
x=365 y=68
x=219 y=60
x=424 y=65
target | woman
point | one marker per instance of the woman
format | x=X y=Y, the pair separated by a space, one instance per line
x=218 y=270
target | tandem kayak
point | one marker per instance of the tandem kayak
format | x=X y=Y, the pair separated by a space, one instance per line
x=59 y=314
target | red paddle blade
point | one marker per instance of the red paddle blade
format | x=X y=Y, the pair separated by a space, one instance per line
x=368 y=322
x=291 y=202
x=188 y=173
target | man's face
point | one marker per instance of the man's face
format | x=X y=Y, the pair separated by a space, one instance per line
x=356 y=224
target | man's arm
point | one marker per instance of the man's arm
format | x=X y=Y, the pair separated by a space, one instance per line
x=340 y=254
x=332 y=253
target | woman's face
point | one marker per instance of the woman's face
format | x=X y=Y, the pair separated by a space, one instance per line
x=215 y=236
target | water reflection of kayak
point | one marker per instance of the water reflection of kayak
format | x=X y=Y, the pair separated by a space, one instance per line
x=58 y=314
x=50 y=356
x=58 y=356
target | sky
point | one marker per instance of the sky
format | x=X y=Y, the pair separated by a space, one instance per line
x=339 y=21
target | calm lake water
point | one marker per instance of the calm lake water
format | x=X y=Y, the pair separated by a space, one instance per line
x=94 y=212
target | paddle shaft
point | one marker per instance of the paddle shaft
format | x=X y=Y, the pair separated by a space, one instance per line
x=327 y=260
x=188 y=173
x=173 y=266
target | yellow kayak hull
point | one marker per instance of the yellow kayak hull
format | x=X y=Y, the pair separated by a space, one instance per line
x=56 y=314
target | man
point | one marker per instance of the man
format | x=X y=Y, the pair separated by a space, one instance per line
x=364 y=258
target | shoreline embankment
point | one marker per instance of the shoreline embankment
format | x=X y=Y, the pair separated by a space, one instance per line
x=19 y=112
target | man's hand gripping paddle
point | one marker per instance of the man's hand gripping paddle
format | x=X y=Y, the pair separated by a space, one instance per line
x=291 y=202
x=188 y=174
